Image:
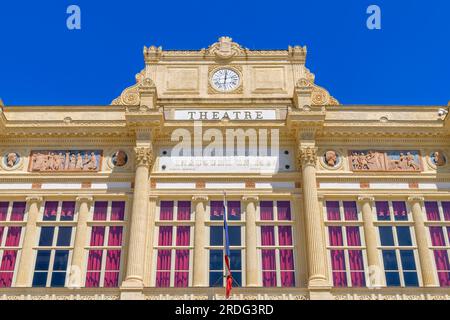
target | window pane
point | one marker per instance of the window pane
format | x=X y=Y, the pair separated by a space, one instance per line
x=437 y=236
x=431 y=208
x=42 y=260
x=166 y=210
x=408 y=262
x=284 y=210
x=64 y=236
x=100 y=210
x=399 y=208
x=97 y=235
x=390 y=260
x=18 y=211
x=67 y=211
x=3 y=210
x=404 y=236
x=382 y=208
x=266 y=210
x=216 y=235
x=50 y=210
x=216 y=260
x=446 y=210
x=216 y=210
x=392 y=279
x=184 y=212
x=115 y=236
x=353 y=238
x=117 y=210
x=285 y=235
x=46 y=238
x=333 y=210
x=165 y=236
x=335 y=234
x=411 y=279
x=234 y=234
x=386 y=236
x=163 y=260
x=235 y=260
x=39 y=279
x=350 y=210
x=61 y=257
x=268 y=260
x=267 y=235
x=13 y=236
x=58 y=279
x=234 y=210
x=216 y=279
x=237 y=279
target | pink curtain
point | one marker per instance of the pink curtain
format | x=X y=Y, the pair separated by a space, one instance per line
x=399 y=208
x=443 y=267
x=335 y=234
x=269 y=267
x=1 y=233
x=382 y=208
x=13 y=237
x=437 y=236
x=100 y=210
x=431 y=207
x=266 y=210
x=117 y=210
x=287 y=268
x=3 y=210
x=165 y=236
x=166 y=210
x=163 y=268
x=67 y=210
x=285 y=235
x=115 y=236
x=338 y=267
x=216 y=210
x=112 y=268
x=97 y=236
x=284 y=210
x=7 y=268
x=184 y=210
x=333 y=210
x=50 y=210
x=446 y=209
x=353 y=238
x=181 y=268
x=234 y=210
x=357 y=268
x=94 y=266
x=183 y=236
x=350 y=210
x=18 y=211
x=267 y=236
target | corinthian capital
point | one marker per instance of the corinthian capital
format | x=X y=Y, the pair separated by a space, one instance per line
x=307 y=155
x=144 y=156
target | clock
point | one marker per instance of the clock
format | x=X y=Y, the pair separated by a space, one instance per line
x=225 y=80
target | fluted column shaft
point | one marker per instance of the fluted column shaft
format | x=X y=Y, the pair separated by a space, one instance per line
x=426 y=263
x=316 y=250
x=251 y=255
x=25 y=269
x=200 y=261
x=139 y=215
x=370 y=236
x=78 y=256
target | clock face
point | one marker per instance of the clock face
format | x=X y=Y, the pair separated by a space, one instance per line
x=225 y=80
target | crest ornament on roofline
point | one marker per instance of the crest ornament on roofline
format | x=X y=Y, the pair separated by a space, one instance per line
x=225 y=49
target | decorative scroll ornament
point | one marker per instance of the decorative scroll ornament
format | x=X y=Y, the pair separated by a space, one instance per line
x=307 y=156
x=144 y=156
x=225 y=49
x=130 y=96
x=319 y=95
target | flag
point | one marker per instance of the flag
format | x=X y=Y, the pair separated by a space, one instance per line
x=229 y=278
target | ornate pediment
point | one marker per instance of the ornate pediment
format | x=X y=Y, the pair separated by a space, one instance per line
x=130 y=96
x=319 y=95
x=225 y=49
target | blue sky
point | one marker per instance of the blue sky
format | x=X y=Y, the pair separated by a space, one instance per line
x=44 y=63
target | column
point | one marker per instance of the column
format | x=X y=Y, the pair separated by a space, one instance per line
x=251 y=255
x=426 y=263
x=200 y=262
x=370 y=235
x=138 y=223
x=25 y=270
x=78 y=256
x=316 y=251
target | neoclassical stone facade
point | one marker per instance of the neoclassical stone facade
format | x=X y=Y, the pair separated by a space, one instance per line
x=324 y=200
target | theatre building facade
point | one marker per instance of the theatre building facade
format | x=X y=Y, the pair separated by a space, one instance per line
x=127 y=201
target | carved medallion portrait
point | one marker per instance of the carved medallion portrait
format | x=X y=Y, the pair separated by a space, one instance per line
x=65 y=160
x=119 y=158
x=11 y=160
x=331 y=159
x=438 y=158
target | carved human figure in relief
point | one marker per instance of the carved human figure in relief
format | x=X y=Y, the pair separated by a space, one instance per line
x=11 y=159
x=60 y=161
x=370 y=160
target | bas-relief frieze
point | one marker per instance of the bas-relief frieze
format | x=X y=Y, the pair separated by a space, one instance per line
x=65 y=160
x=398 y=160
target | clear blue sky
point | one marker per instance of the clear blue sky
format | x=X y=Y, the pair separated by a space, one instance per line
x=44 y=63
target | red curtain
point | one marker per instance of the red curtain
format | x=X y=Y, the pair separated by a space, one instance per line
x=356 y=268
x=18 y=211
x=67 y=210
x=165 y=236
x=3 y=210
x=333 y=210
x=267 y=236
x=181 y=268
x=50 y=210
x=335 y=233
x=112 y=268
x=163 y=268
x=115 y=236
x=100 y=210
x=338 y=267
x=284 y=210
x=353 y=238
x=266 y=210
x=183 y=236
x=94 y=266
x=446 y=209
x=350 y=210
x=97 y=236
x=287 y=268
x=166 y=210
x=117 y=210
x=285 y=235
x=431 y=207
x=184 y=210
x=269 y=268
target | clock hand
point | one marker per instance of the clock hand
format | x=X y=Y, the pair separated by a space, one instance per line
x=225 y=79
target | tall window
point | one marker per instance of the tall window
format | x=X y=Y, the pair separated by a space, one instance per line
x=438 y=217
x=173 y=244
x=277 y=254
x=105 y=244
x=11 y=223
x=216 y=243
x=345 y=244
x=55 y=244
x=398 y=249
